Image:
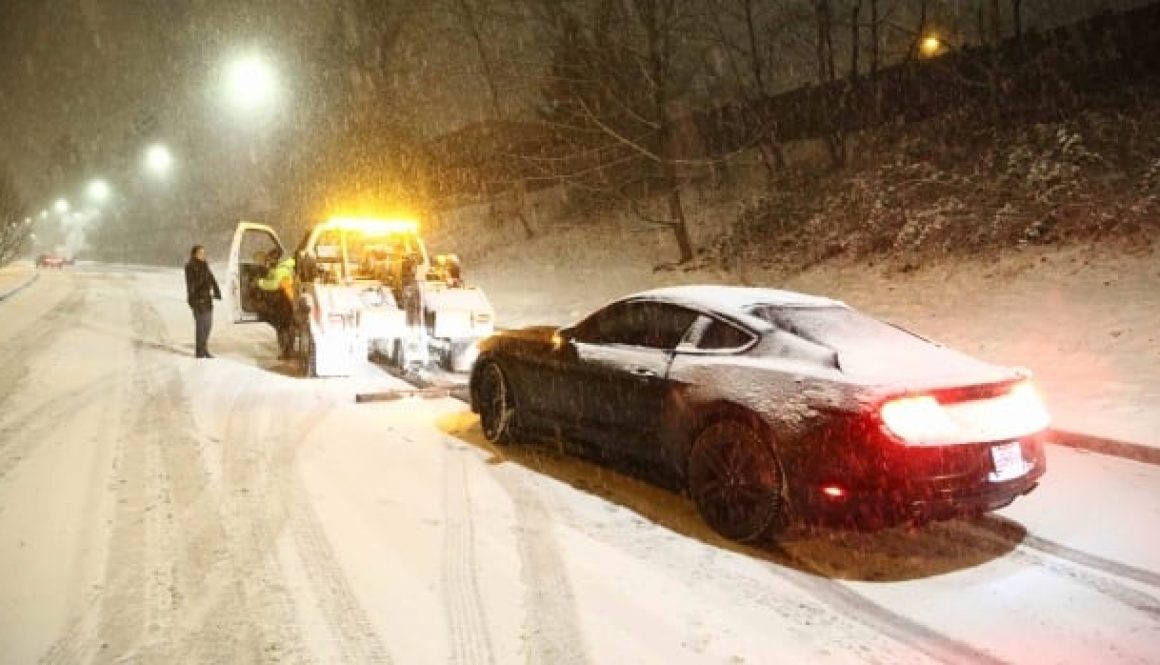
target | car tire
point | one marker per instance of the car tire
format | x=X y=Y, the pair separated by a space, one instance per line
x=497 y=404
x=736 y=481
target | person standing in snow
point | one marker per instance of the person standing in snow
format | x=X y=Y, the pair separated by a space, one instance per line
x=201 y=289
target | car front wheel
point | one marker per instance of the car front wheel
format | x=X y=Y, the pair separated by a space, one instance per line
x=497 y=407
x=736 y=481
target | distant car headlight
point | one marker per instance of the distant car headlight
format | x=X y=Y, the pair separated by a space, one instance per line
x=923 y=420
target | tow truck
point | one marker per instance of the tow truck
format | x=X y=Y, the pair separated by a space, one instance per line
x=365 y=286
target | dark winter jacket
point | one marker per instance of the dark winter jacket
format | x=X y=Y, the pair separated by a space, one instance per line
x=200 y=286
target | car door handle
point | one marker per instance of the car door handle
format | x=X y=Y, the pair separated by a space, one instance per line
x=643 y=373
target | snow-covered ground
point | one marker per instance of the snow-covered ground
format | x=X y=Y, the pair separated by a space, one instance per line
x=16 y=276
x=158 y=508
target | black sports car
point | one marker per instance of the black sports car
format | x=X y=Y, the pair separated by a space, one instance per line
x=770 y=405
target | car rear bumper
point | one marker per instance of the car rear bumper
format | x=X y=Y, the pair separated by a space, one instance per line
x=900 y=484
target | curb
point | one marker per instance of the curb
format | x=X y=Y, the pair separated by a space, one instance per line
x=1134 y=451
x=17 y=289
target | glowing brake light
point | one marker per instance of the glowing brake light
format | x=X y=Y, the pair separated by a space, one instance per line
x=922 y=420
x=918 y=420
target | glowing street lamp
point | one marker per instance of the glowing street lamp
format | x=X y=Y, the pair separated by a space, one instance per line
x=930 y=45
x=43 y=214
x=61 y=206
x=158 y=159
x=98 y=191
x=250 y=83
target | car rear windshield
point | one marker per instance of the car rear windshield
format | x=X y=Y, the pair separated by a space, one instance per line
x=835 y=327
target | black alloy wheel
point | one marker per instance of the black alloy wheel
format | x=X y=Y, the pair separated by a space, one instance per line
x=736 y=481
x=497 y=409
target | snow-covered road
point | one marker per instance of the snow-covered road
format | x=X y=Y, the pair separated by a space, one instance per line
x=157 y=508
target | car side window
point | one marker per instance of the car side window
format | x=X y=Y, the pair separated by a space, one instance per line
x=721 y=336
x=645 y=324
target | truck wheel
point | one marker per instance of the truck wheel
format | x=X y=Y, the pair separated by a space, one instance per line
x=399 y=355
x=308 y=352
x=456 y=360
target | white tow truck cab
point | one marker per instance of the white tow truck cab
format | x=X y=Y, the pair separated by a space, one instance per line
x=365 y=285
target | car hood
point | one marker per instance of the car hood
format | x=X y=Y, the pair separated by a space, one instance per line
x=919 y=366
x=534 y=337
x=530 y=334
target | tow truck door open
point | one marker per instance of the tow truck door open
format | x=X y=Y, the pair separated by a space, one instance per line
x=248 y=239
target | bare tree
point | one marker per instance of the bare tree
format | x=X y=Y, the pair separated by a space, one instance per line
x=620 y=71
x=14 y=231
x=750 y=35
x=471 y=17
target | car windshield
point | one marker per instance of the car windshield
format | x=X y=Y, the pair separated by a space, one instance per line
x=835 y=327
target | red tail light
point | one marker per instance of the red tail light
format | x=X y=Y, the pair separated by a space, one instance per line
x=923 y=420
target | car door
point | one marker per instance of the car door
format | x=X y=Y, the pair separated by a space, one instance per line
x=249 y=238
x=622 y=373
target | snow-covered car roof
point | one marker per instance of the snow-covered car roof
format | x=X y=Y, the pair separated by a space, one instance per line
x=736 y=300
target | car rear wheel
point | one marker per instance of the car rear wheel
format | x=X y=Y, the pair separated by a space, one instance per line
x=497 y=407
x=736 y=481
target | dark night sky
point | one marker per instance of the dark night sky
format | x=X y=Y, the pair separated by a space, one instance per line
x=114 y=74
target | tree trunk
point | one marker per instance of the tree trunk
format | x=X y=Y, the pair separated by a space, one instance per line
x=918 y=33
x=680 y=225
x=519 y=197
x=996 y=23
x=520 y=194
x=1017 y=17
x=873 y=37
x=835 y=142
x=855 y=46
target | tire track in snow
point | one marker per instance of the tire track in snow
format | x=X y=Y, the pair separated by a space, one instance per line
x=79 y=634
x=544 y=572
x=552 y=625
x=1070 y=564
x=32 y=428
x=1012 y=533
x=345 y=615
x=856 y=623
x=462 y=602
x=229 y=602
x=177 y=581
x=36 y=338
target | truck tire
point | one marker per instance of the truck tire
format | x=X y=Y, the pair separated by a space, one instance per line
x=308 y=353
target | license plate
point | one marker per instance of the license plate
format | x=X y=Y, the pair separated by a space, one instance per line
x=1009 y=463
